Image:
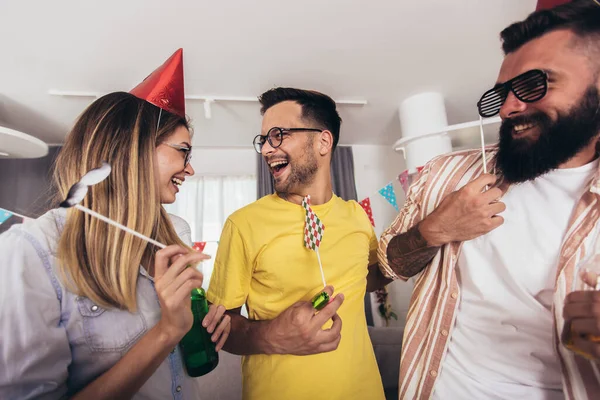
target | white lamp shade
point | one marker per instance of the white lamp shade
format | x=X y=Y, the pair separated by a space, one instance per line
x=15 y=144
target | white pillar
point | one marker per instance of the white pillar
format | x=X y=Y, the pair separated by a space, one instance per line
x=423 y=120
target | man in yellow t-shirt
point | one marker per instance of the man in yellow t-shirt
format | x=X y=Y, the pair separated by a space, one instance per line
x=290 y=351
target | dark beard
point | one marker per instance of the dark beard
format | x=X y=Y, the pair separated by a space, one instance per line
x=300 y=175
x=524 y=159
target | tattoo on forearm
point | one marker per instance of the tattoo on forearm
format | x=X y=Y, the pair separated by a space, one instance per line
x=408 y=253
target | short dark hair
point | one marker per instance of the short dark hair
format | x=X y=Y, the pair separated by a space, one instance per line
x=316 y=106
x=582 y=17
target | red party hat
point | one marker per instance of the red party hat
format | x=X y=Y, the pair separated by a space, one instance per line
x=164 y=86
x=548 y=4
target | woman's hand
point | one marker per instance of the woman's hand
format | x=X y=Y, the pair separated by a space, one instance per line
x=174 y=282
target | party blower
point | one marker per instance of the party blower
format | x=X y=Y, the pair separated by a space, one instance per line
x=199 y=353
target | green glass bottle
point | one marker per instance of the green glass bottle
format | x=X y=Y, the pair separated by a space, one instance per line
x=199 y=354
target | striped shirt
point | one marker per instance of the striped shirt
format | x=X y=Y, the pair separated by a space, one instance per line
x=436 y=293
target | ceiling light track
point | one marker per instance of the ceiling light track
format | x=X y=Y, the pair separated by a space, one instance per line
x=208 y=100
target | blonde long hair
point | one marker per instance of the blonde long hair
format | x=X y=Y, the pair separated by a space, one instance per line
x=97 y=260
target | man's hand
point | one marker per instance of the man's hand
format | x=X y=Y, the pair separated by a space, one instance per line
x=375 y=279
x=582 y=319
x=298 y=330
x=218 y=323
x=465 y=214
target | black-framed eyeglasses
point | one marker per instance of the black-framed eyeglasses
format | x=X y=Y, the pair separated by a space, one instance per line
x=275 y=137
x=187 y=151
x=528 y=87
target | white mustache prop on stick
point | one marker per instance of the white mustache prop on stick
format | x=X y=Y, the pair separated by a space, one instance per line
x=78 y=191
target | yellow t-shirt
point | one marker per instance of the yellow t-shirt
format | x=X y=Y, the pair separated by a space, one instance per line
x=262 y=262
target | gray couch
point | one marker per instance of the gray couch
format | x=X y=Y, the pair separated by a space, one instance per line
x=225 y=382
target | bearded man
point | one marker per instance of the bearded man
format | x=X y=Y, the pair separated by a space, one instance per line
x=495 y=256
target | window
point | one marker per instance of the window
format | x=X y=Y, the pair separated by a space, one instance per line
x=205 y=202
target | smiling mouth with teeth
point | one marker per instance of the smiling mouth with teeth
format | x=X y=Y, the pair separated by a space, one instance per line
x=277 y=166
x=522 y=127
x=176 y=181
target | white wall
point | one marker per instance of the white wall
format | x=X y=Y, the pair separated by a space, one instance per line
x=224 y=160
x=375 y=167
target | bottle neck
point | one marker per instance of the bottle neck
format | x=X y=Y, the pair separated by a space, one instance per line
x=198 y=294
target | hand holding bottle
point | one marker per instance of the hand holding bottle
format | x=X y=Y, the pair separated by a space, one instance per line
x=581 y=333
x=174 y=283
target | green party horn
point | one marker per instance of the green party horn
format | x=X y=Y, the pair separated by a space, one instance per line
x=320 y=300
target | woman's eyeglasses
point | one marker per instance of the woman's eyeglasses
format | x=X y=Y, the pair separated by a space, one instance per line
x=187 y=151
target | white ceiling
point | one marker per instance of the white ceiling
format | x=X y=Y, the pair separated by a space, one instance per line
x=381 y=51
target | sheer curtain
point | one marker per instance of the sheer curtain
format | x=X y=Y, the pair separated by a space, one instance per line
x=205 y=202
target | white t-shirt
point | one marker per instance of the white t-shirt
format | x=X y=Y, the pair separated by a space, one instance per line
x=502 y=343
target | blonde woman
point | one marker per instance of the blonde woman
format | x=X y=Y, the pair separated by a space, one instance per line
x=89 y=311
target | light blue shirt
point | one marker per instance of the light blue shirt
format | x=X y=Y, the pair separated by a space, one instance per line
x=52 y=342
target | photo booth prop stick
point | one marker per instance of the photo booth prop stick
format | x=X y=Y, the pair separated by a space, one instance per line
x=482 y=144
x=313 y=235
x=78 y=191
